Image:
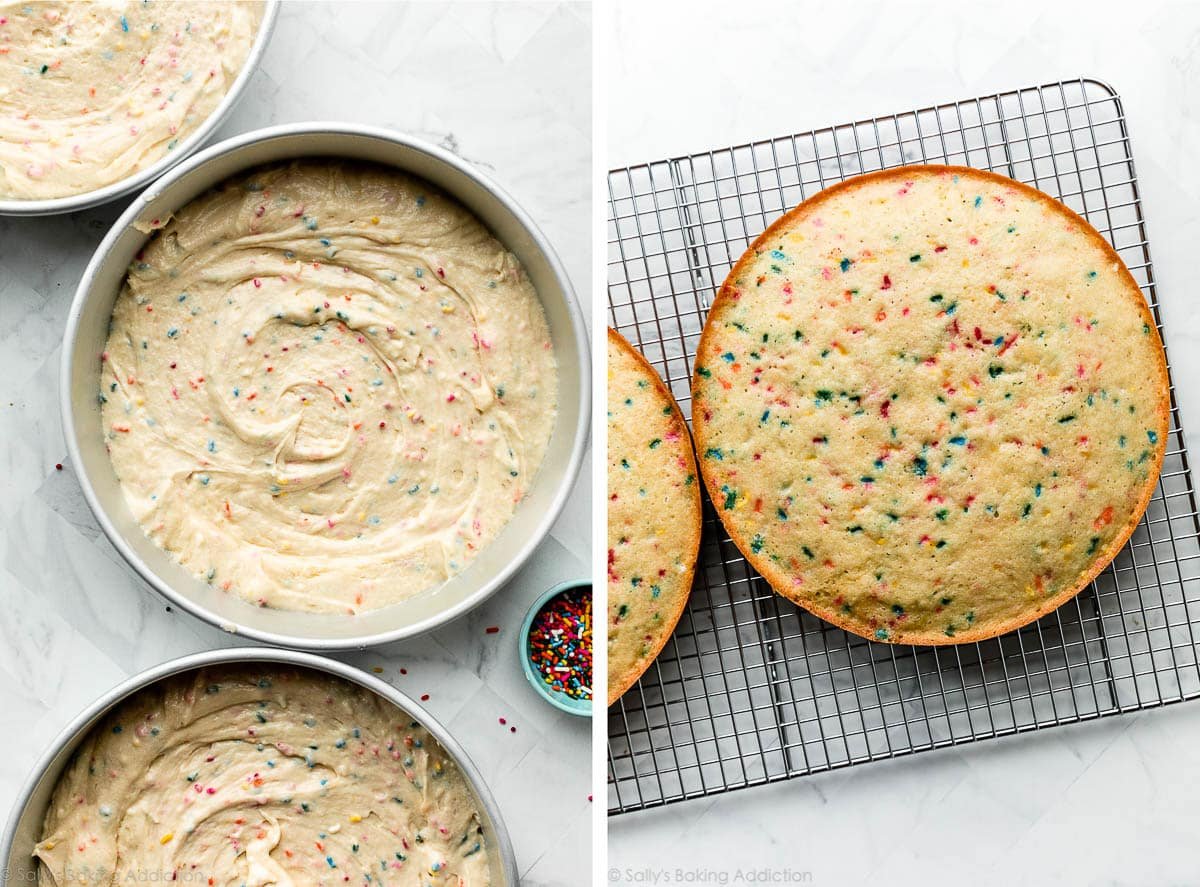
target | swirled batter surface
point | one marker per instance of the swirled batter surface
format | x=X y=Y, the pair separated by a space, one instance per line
x=326 y=387
x=92 y=92
x=241 y=776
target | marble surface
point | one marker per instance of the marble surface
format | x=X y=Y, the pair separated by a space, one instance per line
x=1109 y=802
x=506 y=86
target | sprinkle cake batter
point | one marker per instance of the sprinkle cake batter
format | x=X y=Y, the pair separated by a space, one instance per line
x=327 y=387
x=232 y=776
x=92 y=92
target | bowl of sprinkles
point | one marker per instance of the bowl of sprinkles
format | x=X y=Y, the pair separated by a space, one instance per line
x=556 y=647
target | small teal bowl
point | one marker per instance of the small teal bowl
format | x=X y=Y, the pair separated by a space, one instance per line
x=560 y=700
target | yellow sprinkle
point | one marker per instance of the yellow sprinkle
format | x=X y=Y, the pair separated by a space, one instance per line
x=354 y=817
x=374 y=220
x=377 y=669
x=49 y=845
x=447 y=309
x=167 y=838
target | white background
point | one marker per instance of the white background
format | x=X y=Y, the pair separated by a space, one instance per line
x=508 y=88
x=1110 y=802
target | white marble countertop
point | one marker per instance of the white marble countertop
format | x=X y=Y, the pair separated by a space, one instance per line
x=506 y=86
x=1109 y=802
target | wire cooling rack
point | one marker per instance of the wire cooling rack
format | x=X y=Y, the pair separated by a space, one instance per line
x=751 y=689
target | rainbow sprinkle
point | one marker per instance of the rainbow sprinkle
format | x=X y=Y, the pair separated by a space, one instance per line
x=560 y=643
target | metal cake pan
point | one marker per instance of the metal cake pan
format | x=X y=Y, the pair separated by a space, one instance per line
x=25 y=822
x=87 y=331
x=141 y=178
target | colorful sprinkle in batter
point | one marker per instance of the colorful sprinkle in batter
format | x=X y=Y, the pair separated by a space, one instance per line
x=327 y=387
x=653 y=515
x=90 y=93
x=931 y=404
x=232 y=777
x=560 y=643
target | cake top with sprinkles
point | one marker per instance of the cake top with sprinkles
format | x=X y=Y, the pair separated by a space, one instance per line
x=653 y=515
x=91 y=93
x=262 y=775
x=930 y=404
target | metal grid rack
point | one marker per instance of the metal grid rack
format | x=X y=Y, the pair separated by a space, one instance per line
x=751 y=689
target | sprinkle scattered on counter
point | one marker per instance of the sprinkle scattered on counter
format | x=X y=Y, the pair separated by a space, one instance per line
x=560 y=643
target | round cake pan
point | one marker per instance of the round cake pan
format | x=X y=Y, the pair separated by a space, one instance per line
x=87 y=332
x=76 y=202
x=29 y=811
